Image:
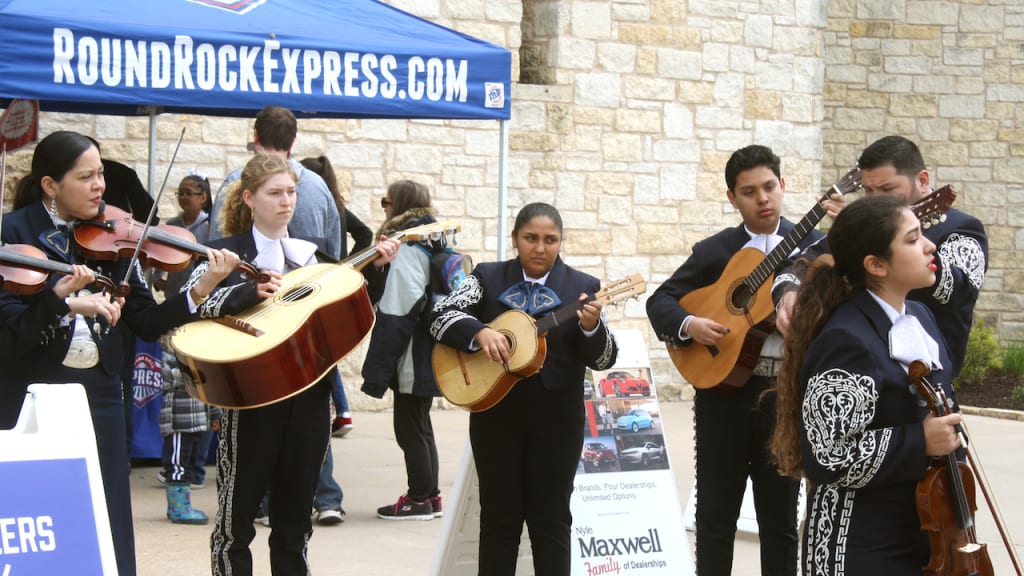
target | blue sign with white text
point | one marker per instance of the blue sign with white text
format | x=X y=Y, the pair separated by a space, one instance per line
x=47 y=522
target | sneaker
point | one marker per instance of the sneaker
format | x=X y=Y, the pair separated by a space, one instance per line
x=407 y=509
x=161 y=477
x=435 y=504
x=341 y=425
x=329 y=517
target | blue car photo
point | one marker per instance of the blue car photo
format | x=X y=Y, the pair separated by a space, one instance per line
x=635 y=420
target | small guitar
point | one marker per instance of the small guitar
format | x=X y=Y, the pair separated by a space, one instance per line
x=741 y=298
x=473 y=381
x=287 y=343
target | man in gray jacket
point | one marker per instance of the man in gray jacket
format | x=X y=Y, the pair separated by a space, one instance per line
x=316 y=214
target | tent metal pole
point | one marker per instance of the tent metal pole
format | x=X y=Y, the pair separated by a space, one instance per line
x=502 y=188
x=151 y=179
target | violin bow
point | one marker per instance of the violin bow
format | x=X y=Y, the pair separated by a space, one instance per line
x=152 y=211
x=3 y=178
x=993 y=506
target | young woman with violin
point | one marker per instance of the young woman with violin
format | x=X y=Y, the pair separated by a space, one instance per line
x=526 y=472
x=86 y=345
x=279 y=446
x=847 y=417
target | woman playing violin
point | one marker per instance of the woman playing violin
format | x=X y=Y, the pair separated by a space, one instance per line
x=848 y=419
x=282 y=445
x=83 y=343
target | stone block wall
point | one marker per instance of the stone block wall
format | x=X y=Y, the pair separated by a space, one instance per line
x=625 y=111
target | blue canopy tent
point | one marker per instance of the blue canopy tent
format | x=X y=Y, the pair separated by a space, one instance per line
x=318 y=58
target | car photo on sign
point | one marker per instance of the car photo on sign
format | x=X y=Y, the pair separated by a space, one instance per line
x=622 y=383
x=599 y=455
x=642 y=452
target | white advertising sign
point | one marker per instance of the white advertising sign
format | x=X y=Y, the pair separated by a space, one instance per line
x=625 y=508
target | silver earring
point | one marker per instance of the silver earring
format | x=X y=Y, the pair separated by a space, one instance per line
x=53 y=208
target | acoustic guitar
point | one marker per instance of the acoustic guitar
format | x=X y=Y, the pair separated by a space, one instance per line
x=741 y=298
x=287 y=343
x=473 y=381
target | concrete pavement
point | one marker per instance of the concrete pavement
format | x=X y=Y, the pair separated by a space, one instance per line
x=368 y=465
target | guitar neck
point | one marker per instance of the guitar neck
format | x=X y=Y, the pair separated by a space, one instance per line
x=560 y=316
x=789 y=243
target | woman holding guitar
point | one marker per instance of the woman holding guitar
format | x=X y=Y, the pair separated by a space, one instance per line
x=847 y=418
x=526 y=471
x=85 y=344
x=278 y=446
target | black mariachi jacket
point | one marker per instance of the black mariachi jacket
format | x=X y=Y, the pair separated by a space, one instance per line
x=457 y=318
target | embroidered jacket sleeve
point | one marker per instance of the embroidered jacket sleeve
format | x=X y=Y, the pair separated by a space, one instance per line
x=842 y=440
x=962 y=260
x=230 y=297
x=454 y=318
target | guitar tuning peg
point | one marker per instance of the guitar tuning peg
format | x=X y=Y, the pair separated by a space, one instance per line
x=942 y=218
x=926 y=223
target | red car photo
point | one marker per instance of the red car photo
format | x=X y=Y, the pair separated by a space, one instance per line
x=621 y=384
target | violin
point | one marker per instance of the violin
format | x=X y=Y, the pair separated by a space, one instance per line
x=114 y=234
x=24 y=270
x=945 y=500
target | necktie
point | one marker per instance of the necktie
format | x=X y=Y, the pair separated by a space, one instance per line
x=530 y=297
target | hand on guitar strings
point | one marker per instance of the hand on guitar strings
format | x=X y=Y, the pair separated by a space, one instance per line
x=706 y=331
x=494 y=345
x=388 y=249
x=589 y=314
x=784 y=311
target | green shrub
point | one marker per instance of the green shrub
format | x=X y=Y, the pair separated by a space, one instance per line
x=983 y=352
x=1013 y=358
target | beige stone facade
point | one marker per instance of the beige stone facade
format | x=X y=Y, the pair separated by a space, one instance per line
x=624 y=113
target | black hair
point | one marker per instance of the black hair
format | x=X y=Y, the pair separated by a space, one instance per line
x=534 y=210
x=896 y=151
x=54 y=156
x=750 y=157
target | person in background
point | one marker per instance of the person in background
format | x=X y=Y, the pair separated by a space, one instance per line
x=280 y=446
x=526 y=472
x=66 y=185
x=732 y=428
x=848 y=418
x=316 y=215
x=327 y=506
x=894 y=166
x=186 y=424
x=398 y=356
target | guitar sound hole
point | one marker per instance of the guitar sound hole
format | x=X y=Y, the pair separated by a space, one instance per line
x=297 y=293
x=511 y=341
x=741 y=297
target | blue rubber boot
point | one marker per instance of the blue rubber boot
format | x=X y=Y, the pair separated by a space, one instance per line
x=179 y=506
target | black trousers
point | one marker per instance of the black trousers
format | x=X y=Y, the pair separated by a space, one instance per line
x=527 y=449
x=281 y=447
x=732 y=435
x=415 y=435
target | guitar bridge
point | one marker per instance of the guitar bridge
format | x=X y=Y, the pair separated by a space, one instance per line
x=239 y=324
